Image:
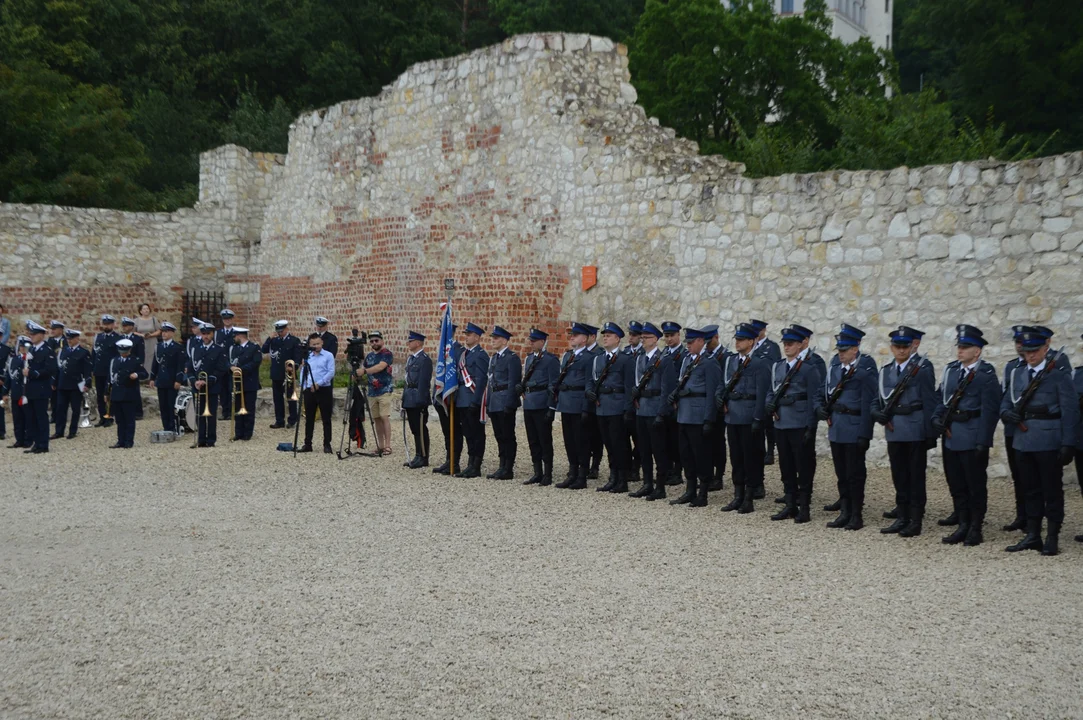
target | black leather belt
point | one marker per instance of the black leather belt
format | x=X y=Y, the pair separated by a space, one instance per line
x=689 y=393
x=572 y=388
x=791 y=399
x=742 y=396
x=964 y=415
x=536 y=388
x=498 y=388
x=908 y=409
x=611 y=391
x=411 y=386
x=847 y=411
x=1039 y=415
x=651 y=393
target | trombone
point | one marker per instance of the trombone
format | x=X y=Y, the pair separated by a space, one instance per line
x=238 y=389
x=205 y=395
x=289 y=384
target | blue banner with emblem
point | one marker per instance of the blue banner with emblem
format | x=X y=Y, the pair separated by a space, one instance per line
x=445 y=379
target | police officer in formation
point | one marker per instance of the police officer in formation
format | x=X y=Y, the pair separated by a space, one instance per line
x=38 y=371
x=73 y=373
x=540 y=371
x=633 y=349
x=504 y=375
x=568 y=396
x=966 y=417
x=1042 y=405
x=55 y=343
x=209 y=358
x=795 y=394
x=167 y=374
x=445 y=418
x=904 y=405
x=125 y=373
x=415 y=397
x=742 y=398
x=717 y=442
x=693 y=397
x=593 y=430
x=610 y=393
x=244 y=360
x=223 y=338
x=655 y=377
x=856 y=335
x=283 y=347
x=15 y=388
x=105 y=349
x=674 y=350
x=473 y=368
x=766 y=349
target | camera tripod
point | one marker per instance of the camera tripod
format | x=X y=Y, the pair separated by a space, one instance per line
x=351 y=389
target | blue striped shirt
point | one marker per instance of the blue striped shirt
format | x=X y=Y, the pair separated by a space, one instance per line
x=321 y=369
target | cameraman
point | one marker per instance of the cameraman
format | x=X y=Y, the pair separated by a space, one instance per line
x=377 y=369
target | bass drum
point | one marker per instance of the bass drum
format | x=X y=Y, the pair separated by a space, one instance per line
x=185 y=410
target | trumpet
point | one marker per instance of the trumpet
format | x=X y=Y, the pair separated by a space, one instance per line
x=291 y=382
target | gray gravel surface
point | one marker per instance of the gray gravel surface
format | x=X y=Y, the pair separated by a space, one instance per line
x=164 y=582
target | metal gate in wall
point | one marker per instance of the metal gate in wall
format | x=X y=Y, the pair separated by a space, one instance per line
x=202 y=304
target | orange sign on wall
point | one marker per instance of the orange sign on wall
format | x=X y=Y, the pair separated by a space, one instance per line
x=590 y=276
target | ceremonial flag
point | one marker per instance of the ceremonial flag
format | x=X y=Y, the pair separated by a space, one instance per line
x=446 y=381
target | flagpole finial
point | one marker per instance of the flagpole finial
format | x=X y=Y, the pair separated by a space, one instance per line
x=449 y=284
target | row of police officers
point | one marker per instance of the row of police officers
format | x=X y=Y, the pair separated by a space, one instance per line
x=662 y=412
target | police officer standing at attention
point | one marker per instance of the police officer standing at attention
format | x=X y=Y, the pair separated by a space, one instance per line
x=167 y=374
x=283 y=347
x=445 y=418
x=610 y=391
x=125 y=372
x=105 y=349
x=223 y=338
x=16 y=385
x=195 y=336
x=473 y=371
x=653 y=368
x=693 y=396
x=671 y=333
x=139 y=351
x=568 y=394
x=1020 y=521
x=742 y=398
x=245 y=360
x=505 y=373
x=415 y=397
x=208 y=358
x=330 y=340
x=717 y=351
x=904 y=405
x=38 y=375
x=966 y=416
x=540 y=370
x=849 y=391
x=55 y=343
x=768 y=350
x=633 y=349
x=72 y=378
x=1042 y=404
x=864 y=361
x=792 y=400
x=591 y=426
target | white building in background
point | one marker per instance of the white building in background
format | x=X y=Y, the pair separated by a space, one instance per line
x=852 y=20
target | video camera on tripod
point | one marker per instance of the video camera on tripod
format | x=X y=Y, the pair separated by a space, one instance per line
x=355 y=348
x=357 y=401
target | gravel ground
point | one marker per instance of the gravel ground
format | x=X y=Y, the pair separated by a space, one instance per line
x=239 y=582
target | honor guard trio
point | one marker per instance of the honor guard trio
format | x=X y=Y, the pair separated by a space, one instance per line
x=662 y=412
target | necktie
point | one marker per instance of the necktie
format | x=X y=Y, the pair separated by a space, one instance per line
x=1033 y=372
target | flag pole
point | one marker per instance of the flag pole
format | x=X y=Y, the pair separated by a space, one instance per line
x=449 y=285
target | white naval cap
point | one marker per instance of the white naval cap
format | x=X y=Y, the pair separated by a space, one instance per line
x=321 y=320
x=240 y=330
x=32 y=327
x=124 y=344
x=279 y=324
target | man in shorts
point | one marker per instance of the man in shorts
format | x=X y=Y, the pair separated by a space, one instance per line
x=378 y=371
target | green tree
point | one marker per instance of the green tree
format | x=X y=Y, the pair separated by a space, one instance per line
x=614 y=19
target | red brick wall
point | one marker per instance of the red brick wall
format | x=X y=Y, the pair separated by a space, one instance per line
x=82 y=307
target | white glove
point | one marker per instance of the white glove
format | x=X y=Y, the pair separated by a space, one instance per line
x=82 y=386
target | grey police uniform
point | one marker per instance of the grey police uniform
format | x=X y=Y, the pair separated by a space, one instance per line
x=540 y=370
x=744 y=418
x=468 y=401
x=908 y=430
x=505 y=372
x=612 y=379
x=696 y=418
x=415 y=401
x=569 y=393
x=795 y=423
x=850 y=430
x=651 y=370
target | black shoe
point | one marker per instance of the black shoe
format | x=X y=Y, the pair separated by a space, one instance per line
x=892 y=514
x=780 y=500
x=609 y=483
x=57 y=436
x=674 y=478
x=844 y=515
x=441 y=469
x=804 y=513
x=305 y=448
x=1019 y=523
x=974 y=536
x=952 y=519
x=536 y=477
x=738 y=499
x=747 y=505
x=496 y=474
x=913 y=528
x=769 y=458
x=620 y=487
x=788 y=511
x=71 y=436
x=579 y=482
x=658 y=493
x=100 y=423
x=759 y=493
x=277 y=426
x=1079 y=538
x=687 y=496
x=901 y=521
x=958 y=536
x=717 y=483
x=856 y=522
x=108 y=423
x=40 y=450
x=834 y=507
x=592 y=474
x=15 y=445
x=1052 y=540
x=473 y=469
x=289 y=426
x=1032 y=540
x=327 y=449
x=115 y=446
x=644 y=490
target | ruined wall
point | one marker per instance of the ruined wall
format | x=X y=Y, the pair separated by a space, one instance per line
x=76 y=263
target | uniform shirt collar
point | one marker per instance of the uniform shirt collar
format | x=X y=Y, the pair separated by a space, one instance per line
x=973 y=366
x=650 y=353
x=420 y=350
x=902 y=366
x=758 y=343
x=1039 y=367
x=578 y=350
x=592 y=346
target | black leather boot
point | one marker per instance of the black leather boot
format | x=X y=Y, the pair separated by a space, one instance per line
x=1019 y=523
x=620 y=486
x=834 y=507
x=700 y=500
x=913 y=527
x=780 y=500
x=902 y=519
x=658 y=492
x=1052 y=539
x=498 y=473
x=717 y=483
x=688 y=495
x=758 y=493
x=856 y=521
x=747 y=504
x=547 y=473
x=473 y=469
x=844 y=515
x=442 y=469
x=1032 y=540
x=960 y=532
x=536 y=477
x=646 y=489
x=804 y=513
x=789 y=509
x=892 y=514
x=952 y=519
x=568 y=480
x=609 y=484
x=974 y=534
x=674 y=477
x=738 y=499
x=580 y=482
x=592 y=473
